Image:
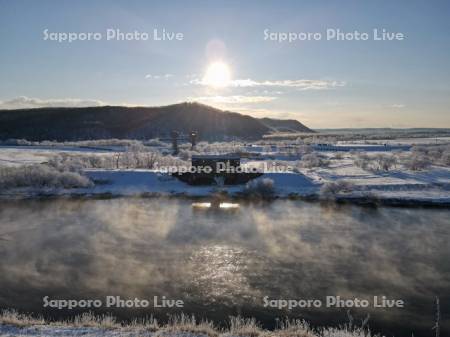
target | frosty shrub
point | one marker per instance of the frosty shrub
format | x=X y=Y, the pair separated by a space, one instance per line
x=134 y=157
x=219 y=147
x=334 y=188
x=419 y=149
x=15 y=142
x=418 y=158
x=445 y=158
x=424 y=156
x=303 y=149
x=313 y=160
x=40 y=176
x=361 y=160
x=417 y=161
x=378 y=162
x=76 y=163
x=385 y=162
x=435 y=153
x=145 y=158
x=262 y=188
x=155 y=142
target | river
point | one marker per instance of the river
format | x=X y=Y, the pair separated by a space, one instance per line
x=229 y=261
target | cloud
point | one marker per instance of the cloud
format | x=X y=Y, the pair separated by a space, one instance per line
x=158 y=77
x=302 y=84
x=191 y=75
x=236 y=99
x=398 y=106
x=24 y=102
x=272 y=113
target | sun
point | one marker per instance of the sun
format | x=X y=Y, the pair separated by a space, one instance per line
x=217 y=74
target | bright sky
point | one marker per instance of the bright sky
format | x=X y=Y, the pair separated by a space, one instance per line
x=224 y=60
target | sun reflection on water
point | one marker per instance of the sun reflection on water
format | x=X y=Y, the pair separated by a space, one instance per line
x=215 y=205
x=221 y=272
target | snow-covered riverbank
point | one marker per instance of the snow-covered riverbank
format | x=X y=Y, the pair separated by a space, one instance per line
x=432 y=187
x=326 y=174
x=13 y=324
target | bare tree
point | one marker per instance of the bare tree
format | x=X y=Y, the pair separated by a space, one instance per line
x=117 y=160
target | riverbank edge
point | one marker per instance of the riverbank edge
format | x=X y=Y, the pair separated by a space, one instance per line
x=87 y=324
x=237 y=197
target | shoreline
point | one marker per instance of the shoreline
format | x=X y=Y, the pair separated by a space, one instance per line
x=87 y=324
x=340 y=200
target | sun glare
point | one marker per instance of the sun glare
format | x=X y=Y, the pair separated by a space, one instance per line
x=217 y=75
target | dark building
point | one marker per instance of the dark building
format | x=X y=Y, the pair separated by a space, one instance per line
x=217 y=163
x=211 y=169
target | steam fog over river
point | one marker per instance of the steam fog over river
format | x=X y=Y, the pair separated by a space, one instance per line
x=222 y=262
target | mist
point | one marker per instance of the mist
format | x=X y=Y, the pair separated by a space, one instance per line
x=225 y=260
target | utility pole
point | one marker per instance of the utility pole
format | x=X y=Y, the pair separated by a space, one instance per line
x=193 y=138
x=174 y=135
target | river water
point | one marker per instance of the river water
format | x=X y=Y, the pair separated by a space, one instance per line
x=226 y=261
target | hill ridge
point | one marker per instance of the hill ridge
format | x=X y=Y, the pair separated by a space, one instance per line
x=137 y=122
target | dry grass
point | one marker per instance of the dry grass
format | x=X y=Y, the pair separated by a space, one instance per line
x=148 y=323
x=244 y=327
x=188 y=324
x=184 y=325
x=346 y=332
x=88 y=319
x=292 y=328
x=12 y=317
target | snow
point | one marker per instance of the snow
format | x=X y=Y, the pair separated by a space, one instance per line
x=361 y=147
x=432 y=184
x=423 y=186
x=68 y=331
x=405 y=141
x=63 y=331
x=71 y=331
x=345 y=169
x=132 y=182
x=20 y=155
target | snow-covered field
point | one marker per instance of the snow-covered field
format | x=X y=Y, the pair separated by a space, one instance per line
x=22 y=155
x=397 y=183
x=121 y=171
x=406 y=141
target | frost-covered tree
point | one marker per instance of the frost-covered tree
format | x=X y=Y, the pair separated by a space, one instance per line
x=312 y=160
x=262 y=188
x=334 y=188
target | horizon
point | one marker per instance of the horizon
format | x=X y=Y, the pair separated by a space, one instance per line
x=232 y=56
x=229 y=111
